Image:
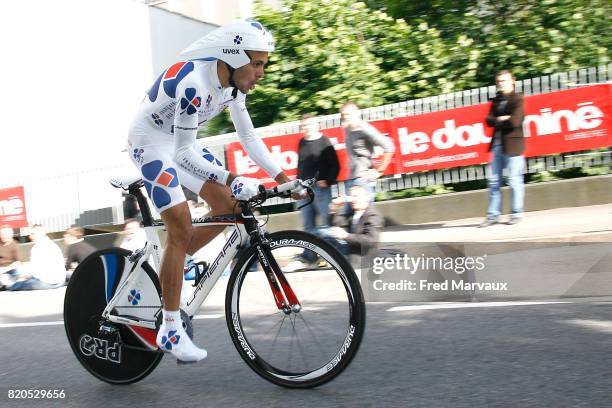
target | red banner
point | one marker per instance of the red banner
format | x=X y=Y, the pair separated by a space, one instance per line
x=568 y=121
x=450 y=138
x=556 y=122
x=284 y=151
x=12 y=207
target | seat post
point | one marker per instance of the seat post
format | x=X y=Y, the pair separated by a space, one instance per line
x=147 y=218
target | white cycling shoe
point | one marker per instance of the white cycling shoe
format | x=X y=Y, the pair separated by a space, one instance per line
x=172 y=338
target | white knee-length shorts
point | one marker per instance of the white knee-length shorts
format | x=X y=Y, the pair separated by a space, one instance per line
x=152 y=152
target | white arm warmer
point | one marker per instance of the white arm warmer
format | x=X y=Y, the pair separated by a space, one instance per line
x=254 y=146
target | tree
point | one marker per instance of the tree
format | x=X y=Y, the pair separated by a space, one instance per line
x=530 y=37
x=321 y=60
x=329 y=52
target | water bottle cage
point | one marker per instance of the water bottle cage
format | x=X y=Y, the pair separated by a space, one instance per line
x=201 y=268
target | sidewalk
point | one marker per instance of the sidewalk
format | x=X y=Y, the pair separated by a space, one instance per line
x=577 y=224
x=591 y=223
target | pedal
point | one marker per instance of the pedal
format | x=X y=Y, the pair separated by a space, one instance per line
x=107 y=328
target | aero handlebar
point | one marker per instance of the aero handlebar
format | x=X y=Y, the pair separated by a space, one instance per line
x=285 y=190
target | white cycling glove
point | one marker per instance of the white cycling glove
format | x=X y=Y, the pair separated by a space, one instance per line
x=244 y=188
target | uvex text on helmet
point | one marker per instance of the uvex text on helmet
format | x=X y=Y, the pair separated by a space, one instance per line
x=229 y=42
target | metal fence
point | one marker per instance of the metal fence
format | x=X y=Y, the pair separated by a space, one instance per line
x=532 y=86
x=91 y=183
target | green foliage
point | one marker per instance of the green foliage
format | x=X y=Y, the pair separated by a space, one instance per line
x=530 y=37
x=434 y=189
x=218 y=125
x=329 y=52
x=583 y=169
x=542 y=176
x=575 y=172
x=386 y=51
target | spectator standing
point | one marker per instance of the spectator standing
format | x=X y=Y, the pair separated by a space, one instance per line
x=507 y=147
x=360 y=140
x=10 y=258
x=46 y=266
x=78 y=249
x=316 y=157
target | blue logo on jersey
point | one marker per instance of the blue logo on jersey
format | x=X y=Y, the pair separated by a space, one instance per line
x=190 y=103
x=138 y=155
x=157 y=119
x=171 y=79
x=157 y=182
x=209 y=156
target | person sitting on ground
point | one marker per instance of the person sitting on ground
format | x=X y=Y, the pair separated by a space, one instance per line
x=78 y=249
x=354 y=228
x=46 y=266
x=10 y=258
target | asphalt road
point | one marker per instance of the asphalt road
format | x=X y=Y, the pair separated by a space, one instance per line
x=472 y=354
x=543 y=355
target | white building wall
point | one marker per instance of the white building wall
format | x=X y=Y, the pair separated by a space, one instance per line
x=170 y=34
x=74 y=73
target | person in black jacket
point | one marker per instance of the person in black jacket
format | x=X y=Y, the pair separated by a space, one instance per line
x=316 y=158
x=507 y=146
x=78 y=249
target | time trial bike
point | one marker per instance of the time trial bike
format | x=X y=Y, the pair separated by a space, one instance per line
x=296 y=329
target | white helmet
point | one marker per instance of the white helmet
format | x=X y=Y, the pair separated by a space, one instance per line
x=229 y=42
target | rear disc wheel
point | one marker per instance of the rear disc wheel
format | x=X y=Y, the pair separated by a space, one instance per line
x=112 y=352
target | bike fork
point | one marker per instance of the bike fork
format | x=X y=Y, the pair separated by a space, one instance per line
x=286 y=300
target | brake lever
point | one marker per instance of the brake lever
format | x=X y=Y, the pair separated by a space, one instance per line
x=310 y=198
x=262 y=196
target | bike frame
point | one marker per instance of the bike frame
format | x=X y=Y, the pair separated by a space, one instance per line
x=244 y=228
x=237 y=239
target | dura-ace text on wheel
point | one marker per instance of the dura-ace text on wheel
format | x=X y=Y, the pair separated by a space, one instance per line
x=114 y=353
x=311 y=342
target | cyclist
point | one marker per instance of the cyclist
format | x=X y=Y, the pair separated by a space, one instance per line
x=218 y=71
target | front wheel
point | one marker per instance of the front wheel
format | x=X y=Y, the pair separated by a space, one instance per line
x=309 y=345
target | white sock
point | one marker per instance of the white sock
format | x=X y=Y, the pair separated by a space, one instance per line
x=173 y=338
x=172 y=319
